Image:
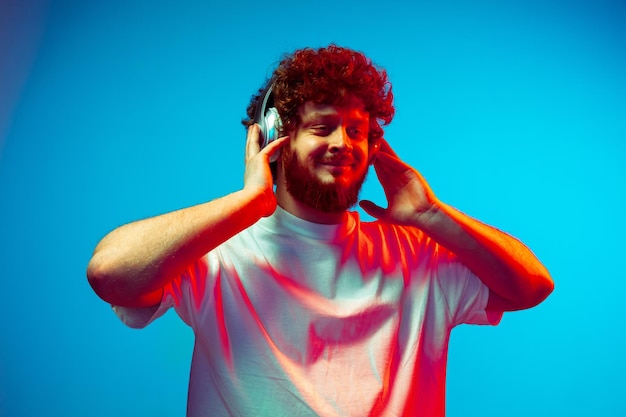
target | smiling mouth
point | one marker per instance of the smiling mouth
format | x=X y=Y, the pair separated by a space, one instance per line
x=338 y=163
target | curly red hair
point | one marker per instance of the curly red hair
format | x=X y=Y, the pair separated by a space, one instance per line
x=330 y=75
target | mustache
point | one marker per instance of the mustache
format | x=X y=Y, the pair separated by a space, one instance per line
x=339 y=160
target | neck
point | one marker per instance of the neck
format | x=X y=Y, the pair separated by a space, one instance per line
x=304 y=211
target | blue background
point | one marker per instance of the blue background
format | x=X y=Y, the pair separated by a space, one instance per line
x=111 y=111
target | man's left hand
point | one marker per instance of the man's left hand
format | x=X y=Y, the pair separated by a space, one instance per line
x=410 y=201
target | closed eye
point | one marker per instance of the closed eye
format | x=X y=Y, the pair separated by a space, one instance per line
x=322 y=130
x=357 y=132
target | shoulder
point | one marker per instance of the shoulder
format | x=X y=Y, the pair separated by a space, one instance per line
x=393 y=232
x=408 y=245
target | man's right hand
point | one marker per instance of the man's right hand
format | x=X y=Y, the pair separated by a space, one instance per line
x=258 y=176
x=131 y=265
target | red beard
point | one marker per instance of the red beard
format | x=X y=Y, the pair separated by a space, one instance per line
x=309 y=190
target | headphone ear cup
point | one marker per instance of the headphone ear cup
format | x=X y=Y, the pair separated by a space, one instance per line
x=271 y=127
x=268 y=119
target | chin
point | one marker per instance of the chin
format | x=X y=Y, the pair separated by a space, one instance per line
x=320 y=188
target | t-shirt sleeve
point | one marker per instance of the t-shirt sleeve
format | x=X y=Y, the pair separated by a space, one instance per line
x=138 y=318
x=184 y=293
x=465 y=293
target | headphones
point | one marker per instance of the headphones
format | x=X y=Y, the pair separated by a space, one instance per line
x=268 y=118
x=271 y=125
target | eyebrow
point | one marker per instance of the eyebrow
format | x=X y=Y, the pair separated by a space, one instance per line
x=318 y=117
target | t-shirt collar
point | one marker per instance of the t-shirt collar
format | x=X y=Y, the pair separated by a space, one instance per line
x=283 y=221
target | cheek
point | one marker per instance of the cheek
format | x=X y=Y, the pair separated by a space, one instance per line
x=294 y=160
x=312 y=153
x=304 y=146
x=362 y=152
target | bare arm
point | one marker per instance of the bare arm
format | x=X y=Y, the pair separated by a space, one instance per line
x=131 y=265
x=515 y=277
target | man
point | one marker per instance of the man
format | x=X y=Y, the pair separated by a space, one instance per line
x=298 y=307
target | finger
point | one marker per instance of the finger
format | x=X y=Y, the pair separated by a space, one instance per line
x=276 y=144
x=272 y=150
x=390 y=169
x=253 y=145
x=387 y=166
x=384 y=147
x=390 y=160
x=373 y=210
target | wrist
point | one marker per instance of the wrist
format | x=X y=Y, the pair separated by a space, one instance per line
x=428 y=217
x=260 y=201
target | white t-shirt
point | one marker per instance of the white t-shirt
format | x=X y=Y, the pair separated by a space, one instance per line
x=293 y=318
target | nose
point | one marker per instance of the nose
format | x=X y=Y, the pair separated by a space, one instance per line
x=339 y=140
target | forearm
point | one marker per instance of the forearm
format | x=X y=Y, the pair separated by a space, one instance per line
x=503 y=263
x=510 y=270
x=131 y=264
